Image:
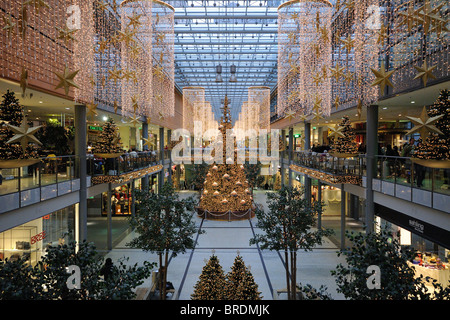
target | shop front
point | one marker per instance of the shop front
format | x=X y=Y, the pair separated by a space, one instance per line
x=30 y=240
x=431 y=243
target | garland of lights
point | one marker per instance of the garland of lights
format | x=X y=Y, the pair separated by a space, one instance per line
x=260 y=98
x=327 y=177
x=193 y=103
x=126 y=176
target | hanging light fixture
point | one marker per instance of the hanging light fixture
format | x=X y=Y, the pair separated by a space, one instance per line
x=219 y=73
x=233 y=73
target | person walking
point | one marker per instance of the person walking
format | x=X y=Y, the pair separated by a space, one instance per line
x=107 y=270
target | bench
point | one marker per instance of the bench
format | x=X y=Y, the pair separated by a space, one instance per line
x=155 y=286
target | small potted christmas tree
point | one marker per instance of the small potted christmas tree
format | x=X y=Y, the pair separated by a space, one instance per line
x=433 y=149
x=212 y=282
x=108 y=144
x=241 y=283
x=344 y=141
x=16 y=135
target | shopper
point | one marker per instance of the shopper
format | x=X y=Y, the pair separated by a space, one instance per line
x=107 y=270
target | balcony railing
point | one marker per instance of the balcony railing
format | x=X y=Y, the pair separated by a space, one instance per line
x=51 y=177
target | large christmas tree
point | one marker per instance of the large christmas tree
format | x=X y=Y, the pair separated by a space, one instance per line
x=212 y=283
x=12 y=114
x=226 y=187
x=241 y=283
x=344 y=138
x=435 y=146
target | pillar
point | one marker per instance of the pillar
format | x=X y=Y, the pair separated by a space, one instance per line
x=169 y=139
x=282 y=168
x=80 y=154
x=371 y=152
x=290 y=154
x=342 y=217
x=161 y=152
x=319 y=199
x=307 y=146
x=133 y=195
x=108 y=219
x=144 y=180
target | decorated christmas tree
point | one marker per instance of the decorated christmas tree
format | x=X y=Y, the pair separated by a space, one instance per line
x=109 y=140
x=343 y=139
x=241 y=283
x=212 y=283
x=434 y=144
x=226 y=187
x=15 y=133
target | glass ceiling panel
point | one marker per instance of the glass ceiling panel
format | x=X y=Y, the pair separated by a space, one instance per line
x=225 y=32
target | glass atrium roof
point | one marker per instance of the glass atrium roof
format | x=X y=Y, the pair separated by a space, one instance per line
x=226 y=32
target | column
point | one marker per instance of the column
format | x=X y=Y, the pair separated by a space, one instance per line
x=108 y=219
x=144 y=180
x=319 y=199
x=161 y=152
x=371 y=152
x=342 y=217
x=307 y=146
x=291 y=153
x=169 y=139
x=282 y=169
x=80 y=153
x=133 y=195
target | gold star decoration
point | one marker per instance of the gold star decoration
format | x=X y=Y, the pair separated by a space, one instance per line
x=317 y=79
x=9 y=25
x=37 y=4
x=337 y=72
x=102 y=5
x=134 y=103
x=336 y=131
x=102 y=45
x=317 y=103
x=161 y=116
x=317 y=115
x=350 y=4
x=409 y=17
x=134 y=20
x=134 y=119
x=429 y=16
x=382 y=35
x=424 y=73
x=290 y=114
x=348 y=77
x=424 y=124
x=382 y=78
x=115 y=74
x=127 y=36
x=148 y=142
x=336 y=102
x=24 y=134
x=66 y=80
x=348 y=43
x=24 y=80
x=324 y=34
x=116 y=106
x=159 y=71
x=66 y=34
x=92 y=109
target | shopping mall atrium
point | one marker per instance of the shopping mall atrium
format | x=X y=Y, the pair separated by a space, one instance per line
x=339 y=108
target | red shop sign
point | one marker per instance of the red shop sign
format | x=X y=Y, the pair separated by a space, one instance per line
x=39 y=237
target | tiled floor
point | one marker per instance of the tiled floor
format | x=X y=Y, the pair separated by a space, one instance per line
x=226 y=239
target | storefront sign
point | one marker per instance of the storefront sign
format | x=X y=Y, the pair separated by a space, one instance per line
x=416 y=226
x=39 y=237
x=95 y=128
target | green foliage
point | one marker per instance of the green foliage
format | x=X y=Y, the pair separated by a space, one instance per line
x=241 y=284
x=252 y=172
x=48 y=280
x=288 y=226
x=54 y=138
x=212 y=282
x=163 y=222
x=307 y=292
x=397 y=278
x=197 y=175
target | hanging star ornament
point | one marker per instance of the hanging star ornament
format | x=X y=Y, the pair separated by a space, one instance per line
x=9 y=25
x=382 y=78
x=24 y=80
x=37 y=4
x=336 y=131
x=66 y=34
x=66 y=80
x=24 y=134
x=424 y=124
x=424 y=73
x=92 y=109
x=290 y=115
x=148 y=142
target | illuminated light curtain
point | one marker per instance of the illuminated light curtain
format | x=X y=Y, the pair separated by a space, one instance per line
x=33 y=49
x=83 y=50
x=135 y=75
x=260 y=96
x=419 y=41
x=107 y=53
x=304 y=54
x=163 y=104
x=191 y=96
